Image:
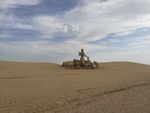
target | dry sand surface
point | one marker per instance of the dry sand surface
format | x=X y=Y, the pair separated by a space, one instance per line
x=117 y=87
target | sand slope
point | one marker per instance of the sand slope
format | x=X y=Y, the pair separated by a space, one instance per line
x=117 y=87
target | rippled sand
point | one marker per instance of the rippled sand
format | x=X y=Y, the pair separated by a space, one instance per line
x=117 y=87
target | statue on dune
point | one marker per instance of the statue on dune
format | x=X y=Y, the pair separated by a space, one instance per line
x=82 y=63
x=82 y=55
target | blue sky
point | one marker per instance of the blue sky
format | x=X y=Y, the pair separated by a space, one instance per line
x=54 y=30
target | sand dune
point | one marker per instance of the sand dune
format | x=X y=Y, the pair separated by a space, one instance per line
x=117 y=87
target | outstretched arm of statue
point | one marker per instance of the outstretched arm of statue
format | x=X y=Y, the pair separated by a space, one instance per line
x=85 y=55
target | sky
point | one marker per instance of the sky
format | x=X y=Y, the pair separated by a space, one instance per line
x=55 y=30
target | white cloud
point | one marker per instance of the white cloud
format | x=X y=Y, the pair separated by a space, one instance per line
x=123 y=33
x=50 y=25
x=9 y=20
x=140 y=43
x=54 y=52
x=92 y=20
x=14 y=3
x=37 y=50
x=97 y=18
x=12 y=22
x=136 y=50
x=44 y=47
x=113 y=40
x=139 y=56
x=114 y=16
x=24 y=26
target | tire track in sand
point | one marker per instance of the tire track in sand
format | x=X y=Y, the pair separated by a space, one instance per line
x=90 y=95
x=45 y=104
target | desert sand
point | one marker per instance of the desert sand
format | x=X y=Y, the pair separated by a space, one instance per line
x=116 y=87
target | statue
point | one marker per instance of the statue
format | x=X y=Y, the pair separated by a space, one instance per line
x=81 y=63
x=82 y=55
